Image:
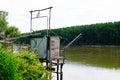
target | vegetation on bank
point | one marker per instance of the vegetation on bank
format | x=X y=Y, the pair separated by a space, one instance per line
x=21 y=66
x=94 y=34
x=7 y=31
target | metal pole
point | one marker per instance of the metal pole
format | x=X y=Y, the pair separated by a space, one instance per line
x=72 y=41
x=43 y=9
x=49 y=20
x=61 y=72
x=49 y=42
x=57 y=69
x=31 y=21
x=50 y=60
x=47 y=25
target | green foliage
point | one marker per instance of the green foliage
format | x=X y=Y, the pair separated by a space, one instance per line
x=30 y=67
x=21 y=66
x=3 y=21
x=3 y=15
x=94 y=34
x=5 y=30
x=8 y=66
x=1 y=46
x=12 y=31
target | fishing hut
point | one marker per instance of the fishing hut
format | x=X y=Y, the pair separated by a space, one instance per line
x=47 y=47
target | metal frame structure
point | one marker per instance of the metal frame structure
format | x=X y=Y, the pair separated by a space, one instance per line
x=48 y=18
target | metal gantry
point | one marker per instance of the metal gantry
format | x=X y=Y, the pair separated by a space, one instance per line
x=38 y=16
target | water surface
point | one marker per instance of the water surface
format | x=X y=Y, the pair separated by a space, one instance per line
x=92 y=63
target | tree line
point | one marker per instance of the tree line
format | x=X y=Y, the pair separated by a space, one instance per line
x=93 y=34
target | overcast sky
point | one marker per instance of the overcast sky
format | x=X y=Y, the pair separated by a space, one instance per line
x=64 y=13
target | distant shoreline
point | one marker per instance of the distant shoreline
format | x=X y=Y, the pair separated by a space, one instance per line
x=97 y=46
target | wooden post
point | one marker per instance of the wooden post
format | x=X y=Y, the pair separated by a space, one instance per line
x=57 y=69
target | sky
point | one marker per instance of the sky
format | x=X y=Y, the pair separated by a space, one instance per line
x=64 y=12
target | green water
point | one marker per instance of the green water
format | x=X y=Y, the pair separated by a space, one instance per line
x=97 y=56
x=92 y=63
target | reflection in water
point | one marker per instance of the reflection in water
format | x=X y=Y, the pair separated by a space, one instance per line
x=92 y=63
x=75 y=71
x=107 y=57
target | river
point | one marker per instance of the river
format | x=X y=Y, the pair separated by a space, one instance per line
x=92 y=63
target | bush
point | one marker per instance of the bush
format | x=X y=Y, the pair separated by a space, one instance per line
x=0 y=46
x=30 y=67
x=21 y=66
x=8 y=66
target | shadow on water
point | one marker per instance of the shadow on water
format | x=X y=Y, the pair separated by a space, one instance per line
x=105 y=56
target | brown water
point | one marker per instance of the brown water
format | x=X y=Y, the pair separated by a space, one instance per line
x=92 y=63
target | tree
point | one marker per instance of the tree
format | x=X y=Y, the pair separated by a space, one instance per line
x=12 y=31
x=3 y=23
